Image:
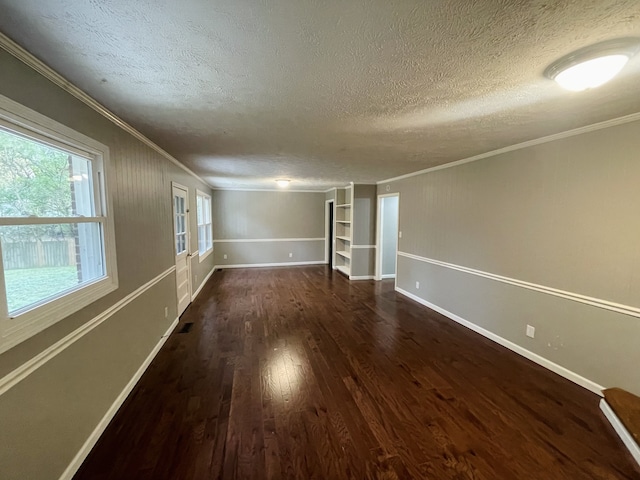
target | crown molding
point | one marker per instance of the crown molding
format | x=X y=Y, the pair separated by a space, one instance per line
x=279 y=190
x=519 y=146
x=27 y=58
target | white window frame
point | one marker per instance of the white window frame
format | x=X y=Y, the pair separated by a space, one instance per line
x=25 y=324
x=205 y=197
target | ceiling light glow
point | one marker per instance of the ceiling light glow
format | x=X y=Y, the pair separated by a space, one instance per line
x=592 y=73
x=592 y=66
x=283 y=183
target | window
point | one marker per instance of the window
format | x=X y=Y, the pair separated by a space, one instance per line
x=205 y=237
x=56 y=237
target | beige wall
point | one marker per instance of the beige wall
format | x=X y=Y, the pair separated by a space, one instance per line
x=364 y=215
x=257 y=253
x=47 y=417
x=364 y=231
x=330 y=195
x=249 y=215
x=563 y=215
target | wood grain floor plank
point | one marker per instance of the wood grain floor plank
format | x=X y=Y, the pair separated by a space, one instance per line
x=297 y=373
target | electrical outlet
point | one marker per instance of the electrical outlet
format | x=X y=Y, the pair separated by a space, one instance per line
x=531 y=331
x=399 y=234
x=417 y=285
x=290 y=255
x=166 y=312
x=225 y=256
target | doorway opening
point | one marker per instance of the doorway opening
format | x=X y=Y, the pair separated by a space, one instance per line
x=387 y=227
x=328 y=232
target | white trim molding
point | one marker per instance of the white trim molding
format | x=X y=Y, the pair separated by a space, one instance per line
x=84 y=451
x=576 y=297
x=201 y=257
x=364 y=246
x=534 y=357
x=23 y=371
x=25 y=57
x=379 y=234
x=519 y=146
x=202 y=284
x=205 y=203
x=329 y=240
x=279 y=190
x=23 y=324
x=260 y=265
x=621 y=430
x=361 y=277
x=252 y=240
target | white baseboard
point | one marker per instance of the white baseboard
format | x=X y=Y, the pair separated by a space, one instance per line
x=534 y=357
x=361 y=277
x=621 y=430
x=202 y=284
x=388 y=275
x=258 y=265
x=102 y=425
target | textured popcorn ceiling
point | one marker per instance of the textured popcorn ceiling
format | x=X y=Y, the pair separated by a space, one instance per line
x=327 y=92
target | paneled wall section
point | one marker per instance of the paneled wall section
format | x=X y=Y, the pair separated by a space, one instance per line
x=47 y=416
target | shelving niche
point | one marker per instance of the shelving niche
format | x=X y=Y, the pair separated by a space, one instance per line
x=342 y=227
x=354 y=231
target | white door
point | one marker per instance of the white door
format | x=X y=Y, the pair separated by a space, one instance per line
x=181 y=242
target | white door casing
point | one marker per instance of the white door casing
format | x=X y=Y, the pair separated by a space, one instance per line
x=181 y=242
x=380 y=227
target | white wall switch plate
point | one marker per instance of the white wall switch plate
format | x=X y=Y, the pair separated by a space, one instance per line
x=531 y=331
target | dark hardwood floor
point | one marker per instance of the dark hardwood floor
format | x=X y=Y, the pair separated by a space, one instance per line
x=299 y=373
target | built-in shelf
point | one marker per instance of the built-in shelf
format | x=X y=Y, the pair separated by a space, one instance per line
x=355 y=207
x=342 y=229
x=344 y=269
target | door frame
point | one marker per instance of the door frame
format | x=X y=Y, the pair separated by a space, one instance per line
x=329 y=204
x=379 y=225
x=179 y=186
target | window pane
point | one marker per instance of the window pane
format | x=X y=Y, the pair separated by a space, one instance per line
x=209 y=239
x=199 y=212
x=43 y=261
x=42 y=181
x=207 y=210
x=181 y=244
x=201 y=239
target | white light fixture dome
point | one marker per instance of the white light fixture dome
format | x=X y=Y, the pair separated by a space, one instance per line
x=282 y=183
x=594 y=65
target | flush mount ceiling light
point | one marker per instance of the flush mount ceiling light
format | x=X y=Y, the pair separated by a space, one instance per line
x=594 y=65
x=282 y=183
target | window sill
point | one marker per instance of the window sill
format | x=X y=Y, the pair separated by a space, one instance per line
x=27 y=324
x=205 y=254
